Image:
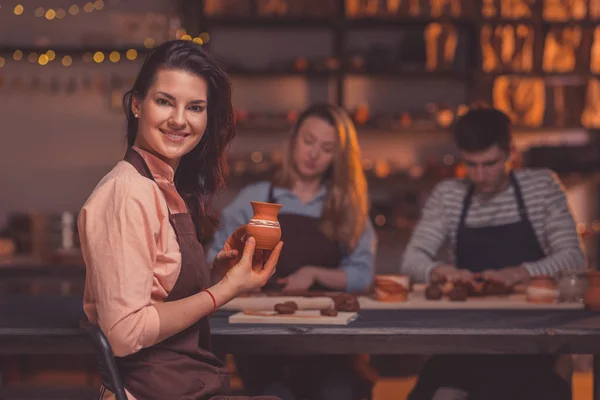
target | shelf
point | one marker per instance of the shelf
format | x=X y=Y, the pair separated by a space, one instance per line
x=409 y=74
x=345 y=28
x=361 y=130
x=267 y=22
x=579 y=76
x=401 y=22
x=413 y=74
x=332 y=23
x=538 y=22
x=283 y=74
x=326 y=23
x=268 y=130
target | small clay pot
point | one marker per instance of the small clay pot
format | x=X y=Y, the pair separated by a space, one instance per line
x=403 y=280
x=264 y=226
x=392 y=287
x=542 y=289
x=592 y=295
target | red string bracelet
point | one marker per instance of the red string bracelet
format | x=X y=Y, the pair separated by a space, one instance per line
x=213 y=299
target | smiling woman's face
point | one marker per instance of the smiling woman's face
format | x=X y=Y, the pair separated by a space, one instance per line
x=173 y=115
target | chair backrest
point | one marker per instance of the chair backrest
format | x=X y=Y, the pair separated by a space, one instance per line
x=111 y=379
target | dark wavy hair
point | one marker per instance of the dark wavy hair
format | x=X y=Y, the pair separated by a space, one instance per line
x=202 y=171
x=481 y=128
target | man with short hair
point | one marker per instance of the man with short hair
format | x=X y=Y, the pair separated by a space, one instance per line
x=503 y=225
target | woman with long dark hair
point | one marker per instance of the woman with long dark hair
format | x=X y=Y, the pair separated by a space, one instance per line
x=147 y=284
x=330 y=245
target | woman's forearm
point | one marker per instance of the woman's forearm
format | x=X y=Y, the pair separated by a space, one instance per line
x=175 y=316
x=331 y=278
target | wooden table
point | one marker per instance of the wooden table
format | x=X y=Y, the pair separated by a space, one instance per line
x=49 y=325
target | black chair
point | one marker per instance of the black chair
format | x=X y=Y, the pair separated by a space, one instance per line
x=111 y=379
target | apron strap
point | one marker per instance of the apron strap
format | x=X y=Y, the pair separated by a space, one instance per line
x=466 y=205
x=523 y=212
x=134 y=158
x=270 y=197
x=519 y=197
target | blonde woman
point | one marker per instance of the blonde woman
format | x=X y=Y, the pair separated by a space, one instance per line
x=329 y=241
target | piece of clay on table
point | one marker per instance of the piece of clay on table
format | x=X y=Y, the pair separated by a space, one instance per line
x=329 y=312
x=492 y=288
x=459 y=293
x=346 y=302
x=433 y=292
x=289 y=307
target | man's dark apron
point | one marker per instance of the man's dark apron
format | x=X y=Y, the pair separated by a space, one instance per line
x=492 y=377
x=182 y=366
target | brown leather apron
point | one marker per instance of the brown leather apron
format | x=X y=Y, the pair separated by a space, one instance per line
x=182 y=367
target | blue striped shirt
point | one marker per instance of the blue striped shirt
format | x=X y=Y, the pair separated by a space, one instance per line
x=359 y=264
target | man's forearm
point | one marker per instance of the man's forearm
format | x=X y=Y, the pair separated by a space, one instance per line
x=572 y=259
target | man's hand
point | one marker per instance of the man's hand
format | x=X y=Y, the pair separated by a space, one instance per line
x=447 y=272
x=508 y=276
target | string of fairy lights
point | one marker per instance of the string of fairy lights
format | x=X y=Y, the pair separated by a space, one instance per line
x=98 y=57
x=67 y=58
x=58 y=13
x=86 y=80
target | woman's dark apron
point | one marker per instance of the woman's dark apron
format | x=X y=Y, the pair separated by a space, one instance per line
x=305 y=244
x=493 y=377
x=182 y=366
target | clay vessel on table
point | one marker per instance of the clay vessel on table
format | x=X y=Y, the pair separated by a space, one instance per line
x=592 y=295
x=392 y=287
x=542 y=289
x=264 y=226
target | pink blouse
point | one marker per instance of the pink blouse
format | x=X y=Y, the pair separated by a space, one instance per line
x=131 y=252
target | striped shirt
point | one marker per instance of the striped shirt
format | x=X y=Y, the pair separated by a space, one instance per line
x=547 y=210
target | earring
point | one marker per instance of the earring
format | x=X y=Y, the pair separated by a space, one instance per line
x=136 y=115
